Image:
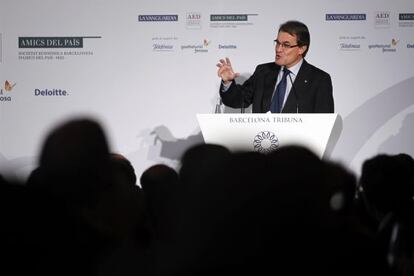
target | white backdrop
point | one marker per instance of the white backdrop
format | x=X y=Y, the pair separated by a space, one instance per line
x=145 y=68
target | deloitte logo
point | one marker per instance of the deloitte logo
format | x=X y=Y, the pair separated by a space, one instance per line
x=265 y=142
x=50 y=93
x=227 y=47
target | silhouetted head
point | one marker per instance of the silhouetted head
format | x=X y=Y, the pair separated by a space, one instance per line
x=158 y=177
x=200 y=161
x=123 y=168
x=385 y=180
x=74 y=161
x=79 y=143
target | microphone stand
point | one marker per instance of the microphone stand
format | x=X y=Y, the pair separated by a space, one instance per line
x=242 y=102
x=294 y=93
x=218 y=106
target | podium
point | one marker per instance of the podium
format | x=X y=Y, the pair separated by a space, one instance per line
x=265 y=132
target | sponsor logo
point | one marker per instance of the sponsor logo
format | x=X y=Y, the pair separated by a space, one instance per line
x=198 y=48
x=394 y=42
x=406 y=20
x=52 y=48
x=227 y=47
x=8 y=86
x=265 y=142
x=349 y=46
x=351 y=43
x=229 y=17
x=382 y=19
x=386 y=47
x=50 y=92
x=406 y=16
x=164 y=44
x=345 y=17
x=159 y=47
x=5 y=95
x=158 y=17
x=231 y=20
x=410 y=46
x=53 y=42
x=193 y=20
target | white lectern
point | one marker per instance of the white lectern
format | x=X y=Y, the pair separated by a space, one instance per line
x=267 y=132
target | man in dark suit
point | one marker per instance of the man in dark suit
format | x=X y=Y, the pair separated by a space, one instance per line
x=287 y=85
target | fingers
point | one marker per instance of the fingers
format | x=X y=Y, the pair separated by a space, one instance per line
x=224 y=62
x=225 y=70
x=223 y=66
x=228 y=61
x=221 y=63
x=220 y=71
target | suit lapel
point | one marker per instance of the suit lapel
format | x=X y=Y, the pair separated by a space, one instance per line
x=300 y=85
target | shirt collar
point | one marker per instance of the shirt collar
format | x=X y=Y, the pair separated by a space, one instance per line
x=295 y=68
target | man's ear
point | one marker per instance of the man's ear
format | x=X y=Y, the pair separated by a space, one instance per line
x=302 y=49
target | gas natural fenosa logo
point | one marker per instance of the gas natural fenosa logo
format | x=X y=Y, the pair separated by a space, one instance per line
x=5 y=95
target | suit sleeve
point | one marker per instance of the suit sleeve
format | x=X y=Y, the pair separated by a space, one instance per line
x=238 y=95
x=324 y=102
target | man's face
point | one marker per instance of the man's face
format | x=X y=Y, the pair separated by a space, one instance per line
x=286 y=56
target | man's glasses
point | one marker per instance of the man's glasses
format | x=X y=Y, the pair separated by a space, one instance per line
x=285 y=45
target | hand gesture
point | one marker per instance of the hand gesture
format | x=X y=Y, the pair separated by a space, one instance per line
x=225 y=71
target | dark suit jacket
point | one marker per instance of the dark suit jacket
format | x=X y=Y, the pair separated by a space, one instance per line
x=311 y=91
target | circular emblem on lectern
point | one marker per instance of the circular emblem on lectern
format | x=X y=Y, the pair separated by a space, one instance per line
x=265 y=142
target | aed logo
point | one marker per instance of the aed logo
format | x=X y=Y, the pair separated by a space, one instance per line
x=382 y=15
x=193 y=16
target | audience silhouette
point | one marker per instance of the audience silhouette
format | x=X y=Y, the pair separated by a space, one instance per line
x=387 y=188
x=82 y=212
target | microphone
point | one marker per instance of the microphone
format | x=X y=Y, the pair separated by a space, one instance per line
x=218 y=106
x=242 y=102
x=294 y=93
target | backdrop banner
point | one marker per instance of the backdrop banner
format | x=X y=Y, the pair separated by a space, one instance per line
x=144 y=69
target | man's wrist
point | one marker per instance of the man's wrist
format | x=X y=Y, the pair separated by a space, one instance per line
x=225 y=85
